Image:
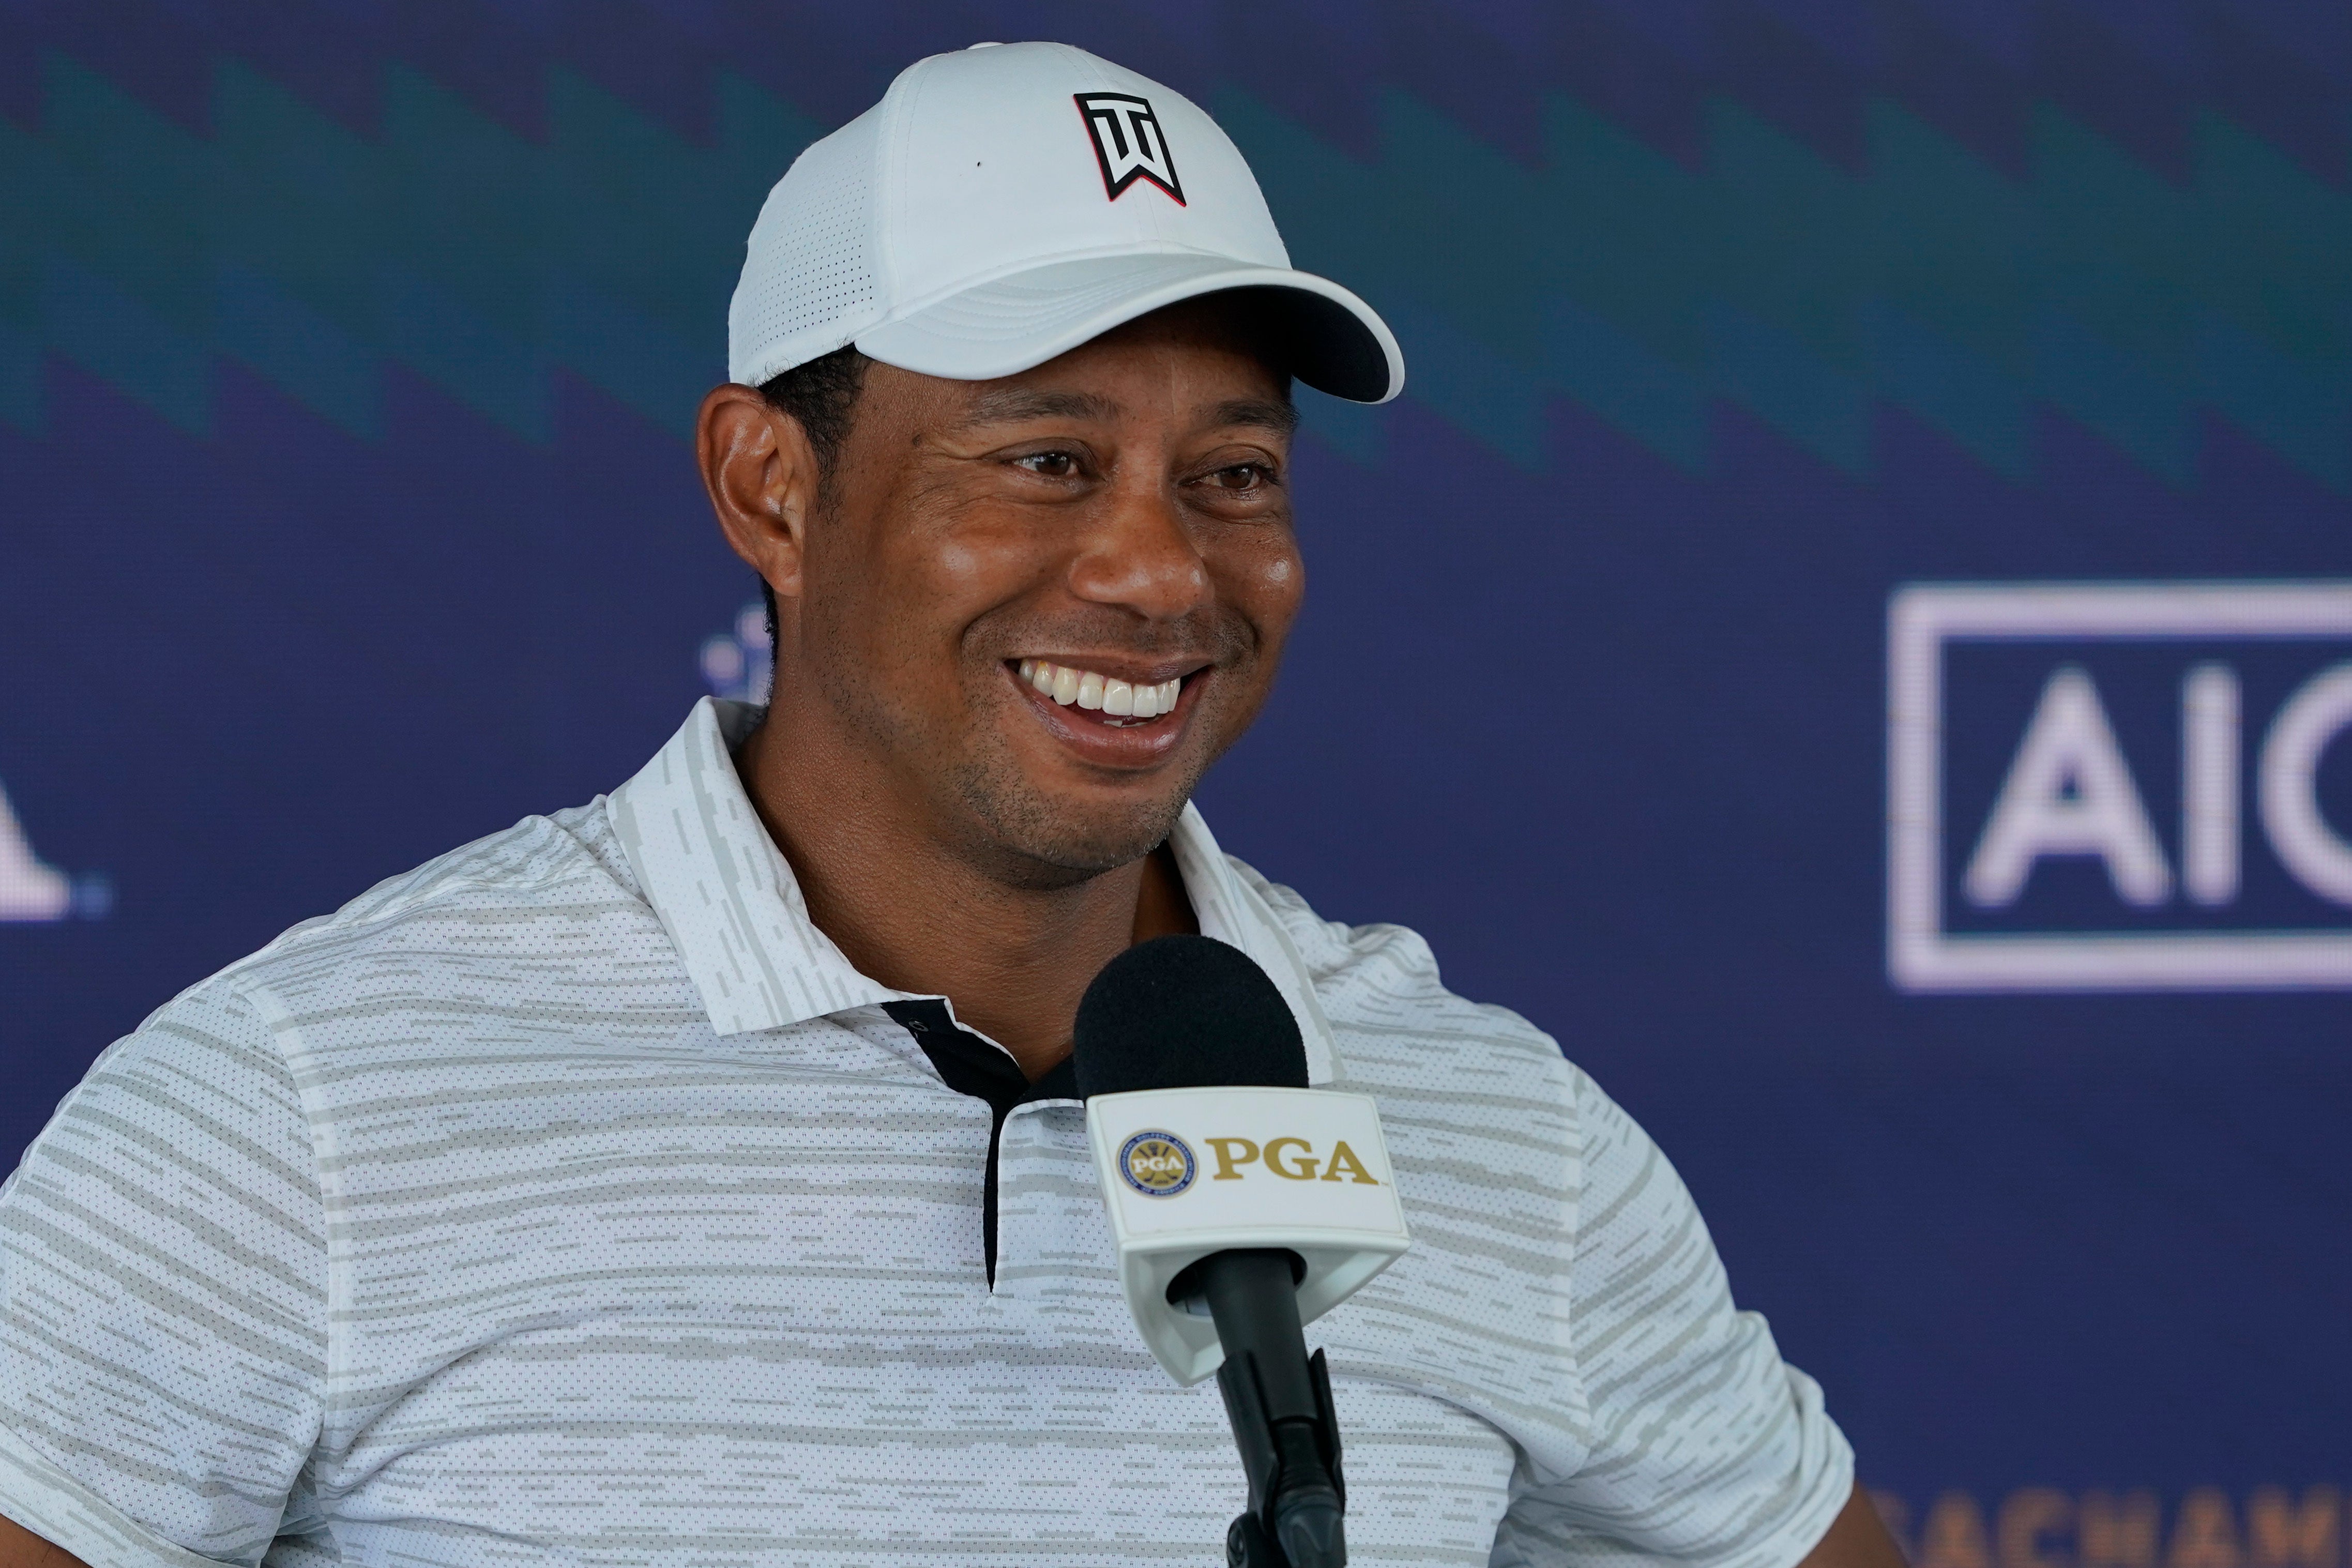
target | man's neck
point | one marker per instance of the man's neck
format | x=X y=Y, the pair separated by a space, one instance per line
x=910 y=912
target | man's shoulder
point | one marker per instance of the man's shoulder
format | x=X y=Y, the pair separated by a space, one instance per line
x=1380 y=989
x=502 y=895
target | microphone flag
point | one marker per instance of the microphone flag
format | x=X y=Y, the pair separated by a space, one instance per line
x=1190 y=1172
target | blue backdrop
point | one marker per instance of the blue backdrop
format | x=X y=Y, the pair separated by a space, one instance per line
x=347 y=352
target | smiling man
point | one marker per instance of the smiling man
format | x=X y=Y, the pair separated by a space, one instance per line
x=1016 y=620
x=697 y=1175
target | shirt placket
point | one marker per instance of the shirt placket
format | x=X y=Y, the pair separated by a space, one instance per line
x=1054 y=1242
x=977 y=1067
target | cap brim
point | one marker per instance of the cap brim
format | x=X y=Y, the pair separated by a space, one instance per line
x=1322 y=333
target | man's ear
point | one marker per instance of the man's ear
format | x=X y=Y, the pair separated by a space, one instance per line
x=762 y=475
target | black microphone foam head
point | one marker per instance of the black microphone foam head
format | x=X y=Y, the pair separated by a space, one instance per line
x=1185 y=1013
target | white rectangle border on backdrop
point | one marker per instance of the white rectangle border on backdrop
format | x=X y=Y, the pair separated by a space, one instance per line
x=1921 y=956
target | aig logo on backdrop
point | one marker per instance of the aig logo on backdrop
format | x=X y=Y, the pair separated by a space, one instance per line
x=2120 y=787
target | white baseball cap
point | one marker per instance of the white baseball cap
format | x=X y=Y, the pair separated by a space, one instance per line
x=1005 y=203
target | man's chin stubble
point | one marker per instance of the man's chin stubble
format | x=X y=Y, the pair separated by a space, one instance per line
x=1033 y=840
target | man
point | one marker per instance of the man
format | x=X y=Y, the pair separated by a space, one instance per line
x=695 y=1176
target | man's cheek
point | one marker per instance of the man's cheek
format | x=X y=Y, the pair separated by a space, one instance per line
x=958 y=564
x=1268 y=591
x=1285 y=574
x=985 y=555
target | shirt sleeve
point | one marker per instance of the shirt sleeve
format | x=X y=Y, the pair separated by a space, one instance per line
x=1708 y=1449
x=164 y=1301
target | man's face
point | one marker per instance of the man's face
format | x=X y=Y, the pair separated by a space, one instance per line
x=1119 y=514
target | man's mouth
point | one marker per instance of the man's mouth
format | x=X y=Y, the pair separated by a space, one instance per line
x=1120 y=702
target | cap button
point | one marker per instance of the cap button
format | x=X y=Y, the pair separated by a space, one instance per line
x=987 y=45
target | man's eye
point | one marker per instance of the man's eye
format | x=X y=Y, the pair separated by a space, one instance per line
x=1049 y=464
x=1240 y=477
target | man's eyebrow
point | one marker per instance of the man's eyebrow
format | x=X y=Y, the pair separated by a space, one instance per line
x=1267 y=412
x=1015 y=405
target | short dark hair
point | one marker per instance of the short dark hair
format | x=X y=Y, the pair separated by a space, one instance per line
x=821 y=396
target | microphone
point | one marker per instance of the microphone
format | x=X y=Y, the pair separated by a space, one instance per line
x=1245 y=1205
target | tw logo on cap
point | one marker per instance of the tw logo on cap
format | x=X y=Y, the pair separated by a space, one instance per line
x=1128 y=145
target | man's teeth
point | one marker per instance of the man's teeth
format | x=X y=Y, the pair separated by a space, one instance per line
x=1088 y=690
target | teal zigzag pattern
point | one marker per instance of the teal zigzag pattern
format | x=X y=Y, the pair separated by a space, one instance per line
x=1608 y=273
x=447 y=244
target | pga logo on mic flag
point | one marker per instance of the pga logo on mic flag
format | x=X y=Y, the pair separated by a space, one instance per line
x=1189 y=1172
x=1158 y=1164
x=2119 y=787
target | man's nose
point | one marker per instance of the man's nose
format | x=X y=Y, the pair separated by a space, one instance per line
x=1140 y=555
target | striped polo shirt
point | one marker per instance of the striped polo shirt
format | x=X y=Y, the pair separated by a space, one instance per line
x=572 y=1200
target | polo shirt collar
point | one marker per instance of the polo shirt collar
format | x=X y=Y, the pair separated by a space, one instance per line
x=734 y=911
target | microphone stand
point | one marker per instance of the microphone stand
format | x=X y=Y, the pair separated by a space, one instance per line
x=1279 y=1402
